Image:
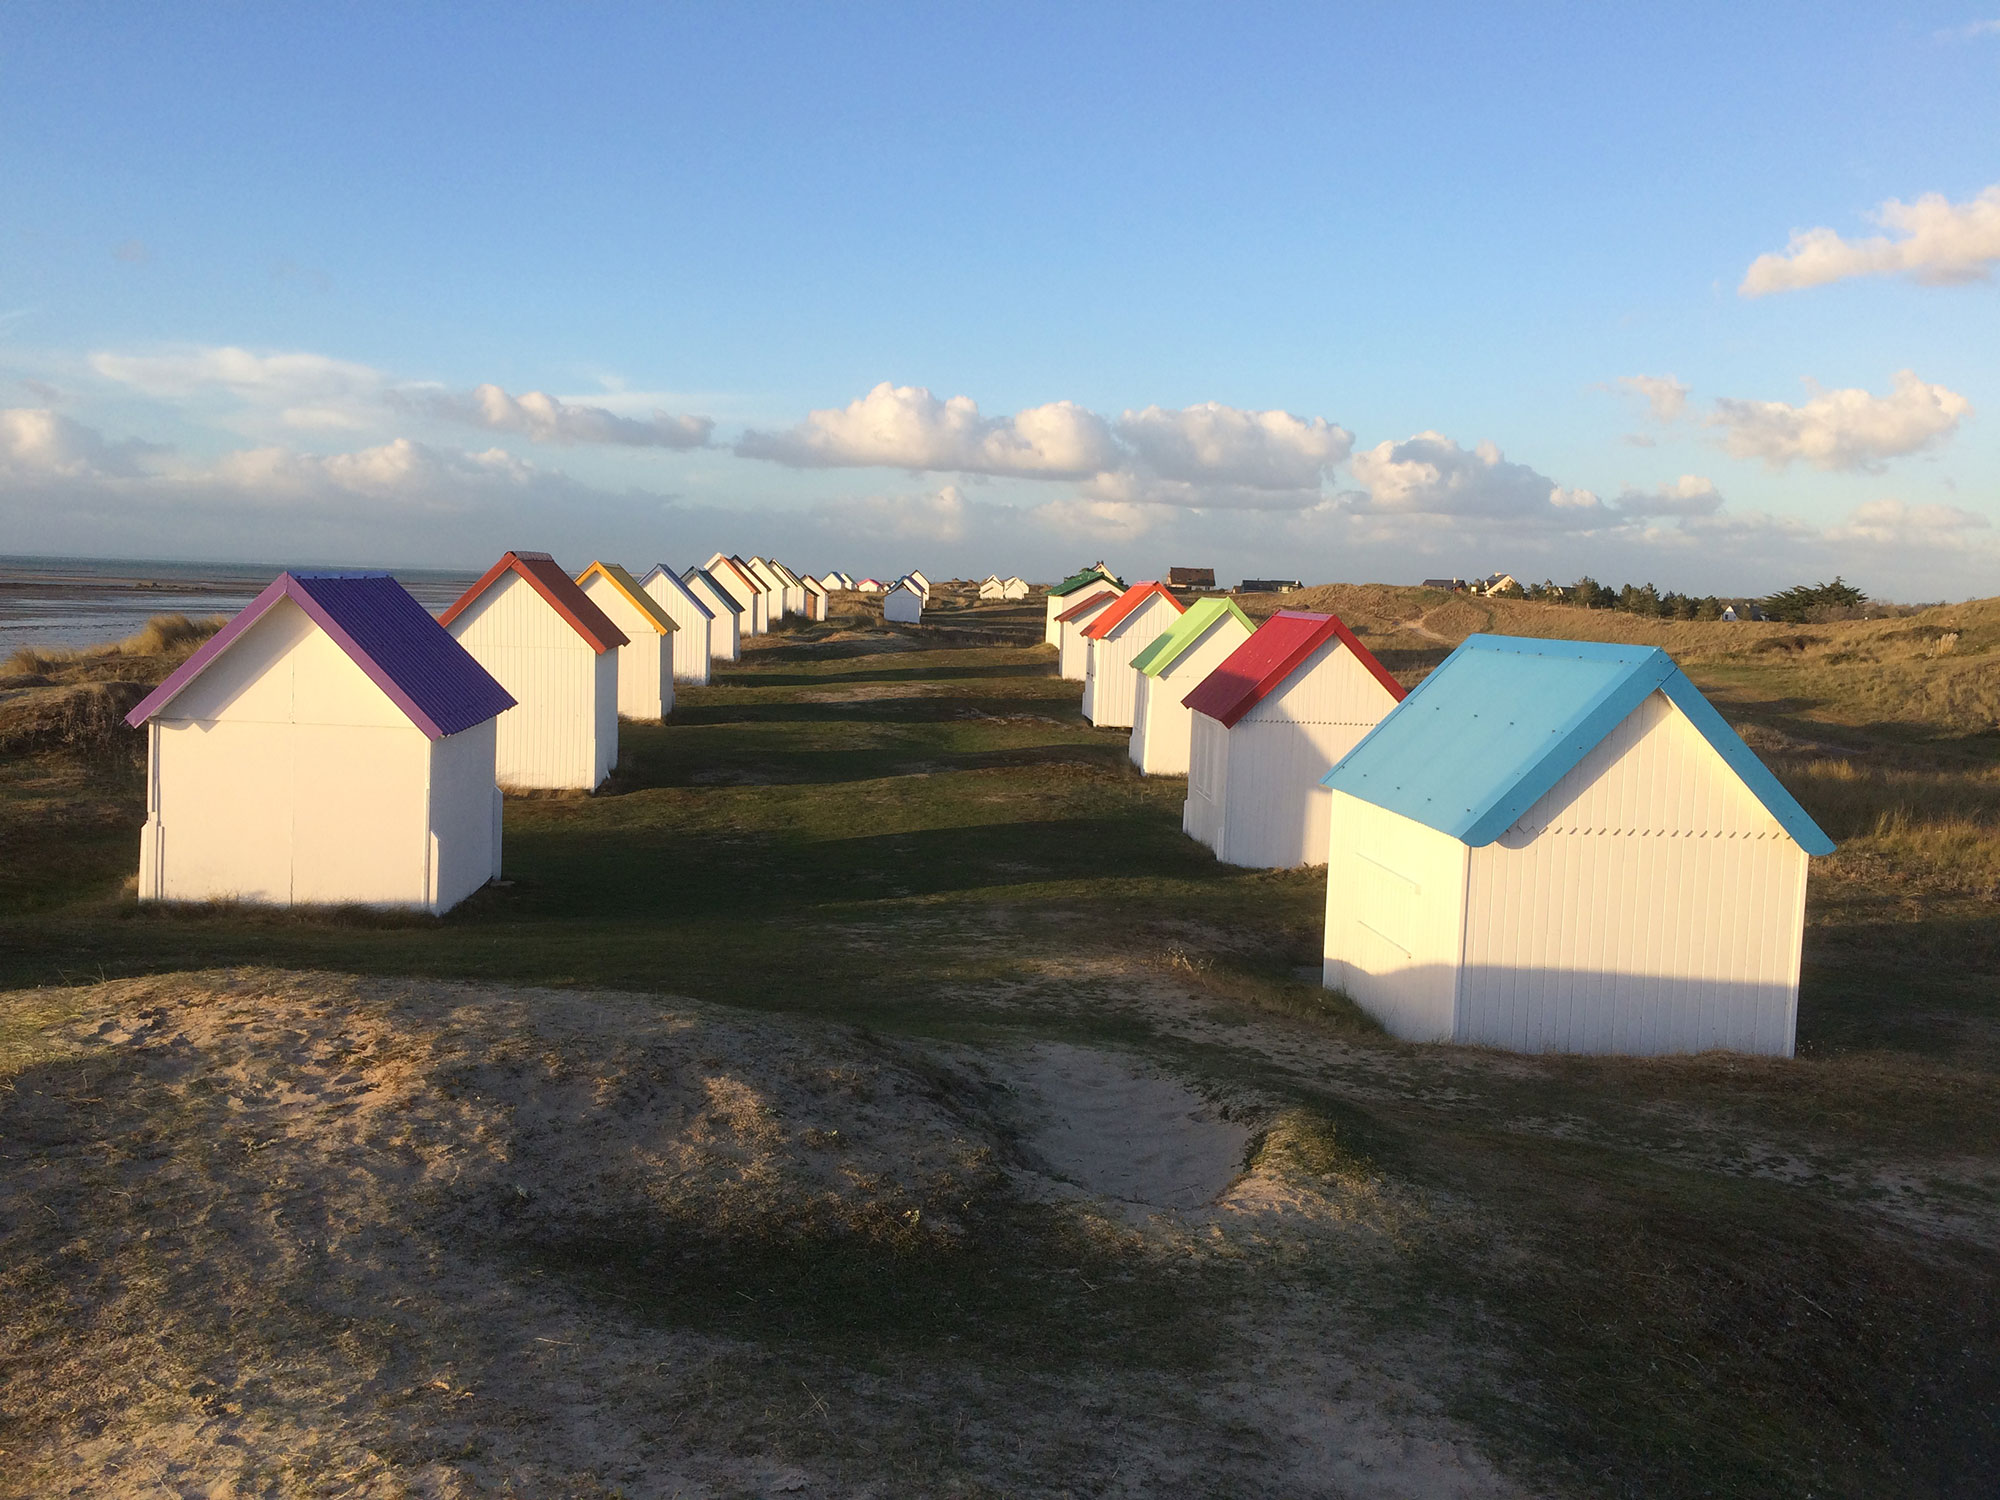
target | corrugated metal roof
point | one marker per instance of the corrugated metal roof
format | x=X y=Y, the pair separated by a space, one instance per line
x=673 y=580
x=709 y=581
x=384 y=631
x=1484 y=737
x=1084 y=580
x=1185 y=631
x=626 y=584
x=1094 y=602
x=1128 y=601
x=554 y=585
x=1275 y=651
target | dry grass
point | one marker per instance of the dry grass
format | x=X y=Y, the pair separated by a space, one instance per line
x=76 y=701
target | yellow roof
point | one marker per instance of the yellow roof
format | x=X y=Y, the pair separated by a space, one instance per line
x=627 y=585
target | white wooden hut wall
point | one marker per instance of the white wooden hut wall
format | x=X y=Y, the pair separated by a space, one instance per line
x=1109 y=681
x=331 y=793
x=1647 y=904
x=1162 y=725
x=1073 y=646
x=1272 y=809
x=693 y=640
x=1052 y=629
x=646 y=661
x=755 y=619
x=563 y=733
x=725 y=638
x=903 y=604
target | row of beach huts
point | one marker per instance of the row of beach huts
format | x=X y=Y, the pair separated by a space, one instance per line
x=1544 y=845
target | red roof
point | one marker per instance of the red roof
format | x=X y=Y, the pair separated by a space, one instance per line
x=554 y=585
x=1275 y=650
x=1129 y=601
x=1078 y=611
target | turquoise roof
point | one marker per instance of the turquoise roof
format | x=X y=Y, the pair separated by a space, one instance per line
x=1483 y=738
x=1189 y=628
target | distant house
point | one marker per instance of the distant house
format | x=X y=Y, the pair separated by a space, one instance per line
x=1268 y=723
x=903 y=604
x=694 y=636
x=1015 y=587
x=1561 y=846
x=1449 y=585
x=1268 y=586
x=990 y=587
x=646 y=660
x=1072 y=646
x=755 y=615
x=1073 y=588
x=1167 y=670
x=528 y=624
x=1191 y=578
x=815 y=594
x=1498 y=583
x=331 y=743
x=725 y=628
x=870 y=586
x=1729 y=613
x=1136 y=619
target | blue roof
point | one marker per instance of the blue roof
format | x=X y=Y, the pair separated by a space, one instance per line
x=1483 y=738
x=391 y=637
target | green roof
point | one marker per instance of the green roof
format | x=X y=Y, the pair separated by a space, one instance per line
x=1188 y=629
x=1084 y=580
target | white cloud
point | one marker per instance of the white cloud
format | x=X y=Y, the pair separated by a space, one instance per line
x=1894 y=523
x=1429 y=474
x=906 y=427
x=1212 y=443
x=1971 y=31
x=308 y=392
x=1665 y=397
x=1085 y=519
x=1690 y=495
x=1936 y=242
x=1848 y=429
x=939 y=517
x=549 y=419
x=37 y=441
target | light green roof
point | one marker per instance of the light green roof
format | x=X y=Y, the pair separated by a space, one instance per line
x=1084 y=580
x=1188 y=629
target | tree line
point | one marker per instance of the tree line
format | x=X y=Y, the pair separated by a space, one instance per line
x=1800 y=604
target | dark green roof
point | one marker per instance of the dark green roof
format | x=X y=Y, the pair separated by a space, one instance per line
x=1084 y=580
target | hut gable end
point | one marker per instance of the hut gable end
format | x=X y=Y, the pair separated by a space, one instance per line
x=1329 y=687
x=284 y=670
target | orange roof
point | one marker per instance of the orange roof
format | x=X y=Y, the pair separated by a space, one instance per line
x=554 y=585
x=1078 y=611
x=1129 y=601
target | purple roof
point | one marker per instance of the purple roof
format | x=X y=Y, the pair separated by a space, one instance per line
x=388 y=635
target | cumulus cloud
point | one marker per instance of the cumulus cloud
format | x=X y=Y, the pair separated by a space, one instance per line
x=940 y=517
x=1690 y=495
x=1933 y=241
x=1892 y=523
x=906 y=427
x=1665 y=397
x=35 y=440
x=1429 y=474
x=1849 y=429
x=549 y=419
x=1082 y=518
x=310 y=392
x=1212 y=443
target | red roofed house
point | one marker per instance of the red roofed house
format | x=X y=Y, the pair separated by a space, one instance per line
x=1072 y=649
x=330 y=744
x=1268 y=724
x=1140 y=616
x=529 y=625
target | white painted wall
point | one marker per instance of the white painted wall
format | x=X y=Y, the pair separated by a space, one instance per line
x=1073 y=647
x=1275 y=813
x=691 y=642
x=903 y=605
x=1208 y=780
x=646 y=661
x=724 y=637
x=1109 y=682
x=1647 y=904
x=1162 y=725
x=563 y=731
x=1052 y=632
x=284 y=774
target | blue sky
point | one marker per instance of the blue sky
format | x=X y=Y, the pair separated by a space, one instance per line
x=1355 y=293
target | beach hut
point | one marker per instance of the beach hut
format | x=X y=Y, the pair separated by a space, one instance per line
x=331 y=743
x=1561 y=846
x=767 y=585
x=725 y=627
x=1070 y=590
x=815 y=594
x=871 y=586
x=903 y=604
x=990 y=587
x=694 y=635
x=1168 y=669
x=1072 y=649
x=528 y=624
x=1267 y=724
x=1134 y=621
x=923 y=585
x=772 y=579
x=795 y=589
x=1014 y=588
x=646 y=660
x=755 y=614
